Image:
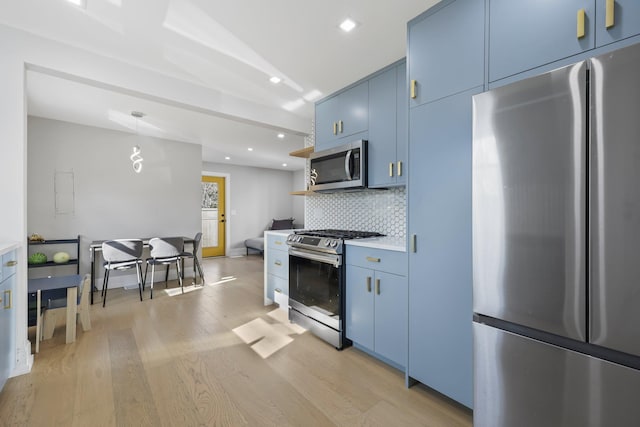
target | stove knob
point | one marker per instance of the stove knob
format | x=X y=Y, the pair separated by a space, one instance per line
x=299 y=239
x=334 y=244
x=327 y=243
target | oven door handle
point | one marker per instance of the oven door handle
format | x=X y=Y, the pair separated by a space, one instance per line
x=315 y=256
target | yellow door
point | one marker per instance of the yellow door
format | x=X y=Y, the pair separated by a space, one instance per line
x=213 y=220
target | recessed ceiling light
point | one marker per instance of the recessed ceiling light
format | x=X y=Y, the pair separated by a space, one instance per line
x=281 y=135
x=79 y=3
x=284 y=164
x=227 y=158
x=250 y=149
x=347 y=25
x=275 y=80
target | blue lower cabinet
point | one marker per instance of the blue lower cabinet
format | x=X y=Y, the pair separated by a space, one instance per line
x=7 y=315
x=376 y=307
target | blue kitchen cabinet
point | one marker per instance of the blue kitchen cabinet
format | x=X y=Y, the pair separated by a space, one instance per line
x=7 y=315
x=440 y=263
x=402 y=132
x=342 y=117
x=526 y=34
x=376 y=302
x=387 y=128
x=359 y=306
x=446 y=50
x=276 y=266
x=623 y=23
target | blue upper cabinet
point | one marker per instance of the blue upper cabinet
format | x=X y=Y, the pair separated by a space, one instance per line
x=446 y=50
x=387 y=128
x=526 y=34
x=342 y=116
x=616 y=20
x=402 y=124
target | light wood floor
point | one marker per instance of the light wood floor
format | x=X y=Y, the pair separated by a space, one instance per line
x=175 y=361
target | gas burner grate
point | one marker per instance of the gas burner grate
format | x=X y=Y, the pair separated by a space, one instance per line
x=340 y=234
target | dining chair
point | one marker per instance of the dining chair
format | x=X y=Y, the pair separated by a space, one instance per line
x=121 y=254
x=56 y=307
x=194 y=254
x=164 y=251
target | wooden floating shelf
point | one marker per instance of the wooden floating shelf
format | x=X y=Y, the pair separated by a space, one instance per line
x=302 y=193
x=304 y=153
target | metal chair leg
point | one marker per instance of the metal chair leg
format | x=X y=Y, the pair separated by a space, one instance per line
x=179 y=275
x=106 y=285
x=139 y=274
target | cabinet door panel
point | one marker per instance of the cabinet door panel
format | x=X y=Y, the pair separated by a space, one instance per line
x=7 y=328
x=382 y=129
x=440 y=287
x=402 y=138
x=446 y=50
x=359 y=306
x=354 y=108
x=391 y=317
x=526 y=34
x=626 y=21
x=326 y=115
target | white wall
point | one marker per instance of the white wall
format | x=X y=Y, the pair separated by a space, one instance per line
x=257 y=196
x=111 y=200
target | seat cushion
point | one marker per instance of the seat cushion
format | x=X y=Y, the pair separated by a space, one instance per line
x=256 y=243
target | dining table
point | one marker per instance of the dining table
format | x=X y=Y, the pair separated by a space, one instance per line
x=96 y=246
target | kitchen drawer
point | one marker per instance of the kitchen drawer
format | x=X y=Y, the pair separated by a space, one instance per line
x=278 y=263
x=276 y=284
x=8 y=265
x=277 y=241
x=377 y=259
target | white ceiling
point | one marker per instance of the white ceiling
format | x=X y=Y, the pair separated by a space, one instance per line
x=230 y=46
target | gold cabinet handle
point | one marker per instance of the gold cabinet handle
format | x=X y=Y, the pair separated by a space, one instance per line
x=278 y=263
x=11 y=263
x=340 y=125
x=368 y=284
x=372 y=259
x=278 y=242
x=412 y=243
x=580 y=19
x=414 y=84
x=399 y=169
x=7 y=292
x=278 y=290
x=335 y=128
x=610 y=19
x=377 y=286
x=390 y=168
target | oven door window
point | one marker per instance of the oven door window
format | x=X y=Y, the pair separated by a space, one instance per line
x=315 y=285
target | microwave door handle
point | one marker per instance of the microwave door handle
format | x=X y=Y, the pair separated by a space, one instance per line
x=347 y=165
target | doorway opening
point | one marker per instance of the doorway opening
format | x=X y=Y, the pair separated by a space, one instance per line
x=213 y=216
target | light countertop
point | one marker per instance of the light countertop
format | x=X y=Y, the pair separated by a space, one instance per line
x=8 y=246
x=388 y=243
x=279 y=232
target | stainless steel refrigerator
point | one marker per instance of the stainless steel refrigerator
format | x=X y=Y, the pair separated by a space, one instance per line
x=556 y=247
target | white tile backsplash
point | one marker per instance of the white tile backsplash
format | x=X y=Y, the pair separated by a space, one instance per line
x=384 y=211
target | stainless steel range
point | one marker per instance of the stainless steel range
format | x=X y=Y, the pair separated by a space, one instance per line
x=316 y=281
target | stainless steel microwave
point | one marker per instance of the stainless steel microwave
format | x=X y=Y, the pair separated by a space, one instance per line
x=340 y=168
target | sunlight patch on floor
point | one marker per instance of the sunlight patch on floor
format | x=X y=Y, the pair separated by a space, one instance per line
x=172 y=292
x=223 y=280
x=267 y=338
